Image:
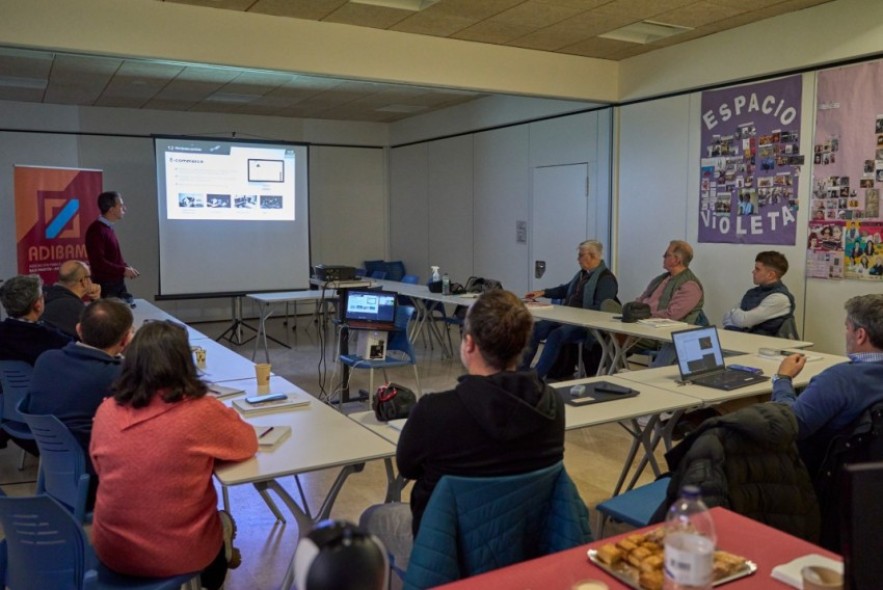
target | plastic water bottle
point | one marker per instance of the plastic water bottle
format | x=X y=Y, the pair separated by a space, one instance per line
x=436 y=276
x=689 y=543
x=446 y=284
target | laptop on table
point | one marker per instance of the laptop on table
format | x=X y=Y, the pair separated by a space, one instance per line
x=370 y=310
x=701 y=361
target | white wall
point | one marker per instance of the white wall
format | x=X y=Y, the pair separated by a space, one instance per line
x=658 y=177
x=812 y=37
x=348 y=207
x=455 y=202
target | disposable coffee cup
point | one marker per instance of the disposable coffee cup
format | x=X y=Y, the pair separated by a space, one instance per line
x=589 y=585
x=199 y=356
x=262 y=372
x=816 y=577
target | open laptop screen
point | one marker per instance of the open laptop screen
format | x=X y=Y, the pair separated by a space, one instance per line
x=366 y=308
x=863 y=514
x=699 y=351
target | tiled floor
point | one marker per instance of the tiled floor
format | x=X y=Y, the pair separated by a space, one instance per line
x=593 y=456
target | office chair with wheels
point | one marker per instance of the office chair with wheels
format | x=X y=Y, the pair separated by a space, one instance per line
x=46 y=548
x=399 y=352
x=15 y=378
x=63 y=473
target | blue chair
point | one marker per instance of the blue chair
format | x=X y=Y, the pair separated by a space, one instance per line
x=399 y=352
x=635 y=507
x=46 y=548
x=411 y=279
x=63 y=471
x=15 y=378
x=378 y=274
x=477 y=524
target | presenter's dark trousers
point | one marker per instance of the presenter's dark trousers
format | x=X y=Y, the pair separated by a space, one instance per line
x=115 y=289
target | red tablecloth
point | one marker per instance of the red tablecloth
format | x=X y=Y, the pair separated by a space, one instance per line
x=765 y=546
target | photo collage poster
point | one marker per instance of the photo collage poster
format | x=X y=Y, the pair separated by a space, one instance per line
x=845 y=228
x=749 y=163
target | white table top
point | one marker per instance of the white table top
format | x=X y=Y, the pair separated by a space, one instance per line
x=222 y=364
x=144 y=311
x=651 y=400
x=668 y=378
x=602 y=320
x=321 y=437
x=292 y=296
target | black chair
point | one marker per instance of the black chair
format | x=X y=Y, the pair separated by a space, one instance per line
x=861 y=442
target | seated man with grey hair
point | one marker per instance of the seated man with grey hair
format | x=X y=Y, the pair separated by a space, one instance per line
x=23 y=337
x=835 y=397
x=592 y=285
x=64 y=299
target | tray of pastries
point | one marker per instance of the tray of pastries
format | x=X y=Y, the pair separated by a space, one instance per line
x=637 y=561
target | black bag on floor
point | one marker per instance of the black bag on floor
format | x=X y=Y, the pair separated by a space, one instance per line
x=393 y=402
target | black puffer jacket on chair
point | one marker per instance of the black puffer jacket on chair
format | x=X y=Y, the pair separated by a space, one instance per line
x=748 y=462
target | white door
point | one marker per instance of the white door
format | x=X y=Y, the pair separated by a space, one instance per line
x=559 y=222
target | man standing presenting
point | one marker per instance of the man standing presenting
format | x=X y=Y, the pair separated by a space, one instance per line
x=64 y=299
x=592 y=285
x=835 y=397
x=677 y=293
x=767 y=306
x=109 y=269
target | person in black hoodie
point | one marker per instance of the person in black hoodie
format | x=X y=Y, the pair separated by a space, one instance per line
x=496 y=421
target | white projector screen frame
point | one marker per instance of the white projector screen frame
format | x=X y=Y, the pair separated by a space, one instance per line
x=233 y=216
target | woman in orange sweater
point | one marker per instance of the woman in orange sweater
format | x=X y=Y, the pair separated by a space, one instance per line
x=154 y=447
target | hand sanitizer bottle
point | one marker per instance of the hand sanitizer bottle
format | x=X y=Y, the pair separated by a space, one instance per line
x=436 y=276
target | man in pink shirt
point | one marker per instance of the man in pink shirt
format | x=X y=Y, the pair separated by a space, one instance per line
x=677 y=293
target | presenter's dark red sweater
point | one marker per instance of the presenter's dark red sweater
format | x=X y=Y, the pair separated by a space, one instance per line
x=105 y=259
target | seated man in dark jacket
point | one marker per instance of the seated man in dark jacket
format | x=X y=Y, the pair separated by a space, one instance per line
x=64 y=299
x=764 y=308
x=23 y=337
x=72 y=382
x=496 y=421
x=592 y=285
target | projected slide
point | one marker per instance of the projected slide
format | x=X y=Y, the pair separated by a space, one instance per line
x=233 y=216
x=228 y=182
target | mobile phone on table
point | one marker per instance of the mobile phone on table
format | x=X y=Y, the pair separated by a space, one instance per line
x=262 y=399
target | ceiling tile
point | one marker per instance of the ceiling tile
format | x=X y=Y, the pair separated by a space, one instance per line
x=362 y=15
x=305 y=9
x=581 y=4
x=437 y=25
x=226 y=4
x=25 y=64
x=472 y=9
x=490 y=31
x=696 y=15
x=536 y=14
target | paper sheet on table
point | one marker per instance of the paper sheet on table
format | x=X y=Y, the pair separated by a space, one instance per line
x=789 y=573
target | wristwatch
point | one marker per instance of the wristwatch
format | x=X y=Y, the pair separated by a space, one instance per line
x=779 y=376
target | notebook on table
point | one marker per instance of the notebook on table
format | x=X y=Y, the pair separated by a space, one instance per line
x=370 y=310
x=701 y=361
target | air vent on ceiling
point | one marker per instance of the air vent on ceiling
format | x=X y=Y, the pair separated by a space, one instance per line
x=645 y=32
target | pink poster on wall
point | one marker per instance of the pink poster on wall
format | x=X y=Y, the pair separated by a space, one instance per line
x=845 y=219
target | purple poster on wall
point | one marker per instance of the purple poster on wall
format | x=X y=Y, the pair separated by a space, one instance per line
x=749 y=163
